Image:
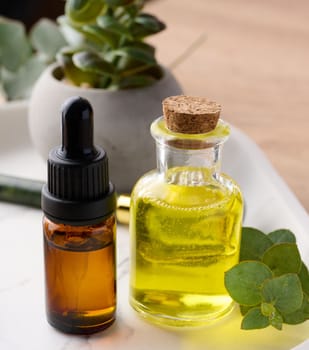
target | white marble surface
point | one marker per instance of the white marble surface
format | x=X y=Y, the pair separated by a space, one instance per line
x=270 y=205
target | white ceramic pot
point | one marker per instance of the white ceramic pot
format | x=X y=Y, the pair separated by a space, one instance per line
x=13 y=119
x=121 y=121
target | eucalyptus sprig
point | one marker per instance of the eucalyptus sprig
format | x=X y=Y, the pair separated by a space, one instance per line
x=106 y=44
x=271 y=283
x=23 y=57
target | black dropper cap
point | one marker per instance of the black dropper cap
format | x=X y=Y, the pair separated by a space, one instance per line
x=78 y=191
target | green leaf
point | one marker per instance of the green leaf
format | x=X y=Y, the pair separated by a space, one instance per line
x=19 y=85
x=124 y=14
x=267 y=309
x=92 y=63
x=136 y=53
x=284 y=292
x=72 y=73
x=244 y=309
x=301 y=314
x=155 y=71
x=72 y=32
x=135 y=81
x=110 y=23
x=150 y=23
x=274 y=317
x=276 y=320
x=15 y=48
x=104 y=82
x=145 y=25
x=130 y=66
x=84 y=11
x=119 y=2
x=101 y=35
x=283 y=258
x=244 y=281
x=46 y=38
x=254 y=319
x=282 y=236
x=144 y=46
x=253 y=244
x=304 y=278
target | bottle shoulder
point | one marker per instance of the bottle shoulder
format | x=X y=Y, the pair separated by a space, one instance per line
x=79 y=238
x=218 y=190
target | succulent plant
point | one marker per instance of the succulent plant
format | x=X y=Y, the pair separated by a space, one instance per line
x=106 y=44
x=23 y=57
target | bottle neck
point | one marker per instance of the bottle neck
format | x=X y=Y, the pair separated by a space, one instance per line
x=185 y=166
x=189 y=159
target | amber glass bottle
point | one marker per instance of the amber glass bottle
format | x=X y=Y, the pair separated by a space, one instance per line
x=79 y=229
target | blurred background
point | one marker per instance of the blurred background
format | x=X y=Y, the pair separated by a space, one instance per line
x=250 y=56
x=29 y=11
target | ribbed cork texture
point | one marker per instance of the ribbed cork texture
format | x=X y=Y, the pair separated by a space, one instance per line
x=190 y=115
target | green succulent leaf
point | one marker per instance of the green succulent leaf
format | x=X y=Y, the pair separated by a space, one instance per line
x=110 y=23
x=254 y=319
x=253 y=244
x=136 y=53
x=116 y=51
x=301 y=314
x=150 y=23
x=72 y=73
x=47 y=39
x=284 y=292
x=244 y=281
x=119 y=2
x=155 y=71
x=283 y=258
x=72 y=33
x=282 y=236
x=144 y=46
x=130 y=11
x=145 y=24
x=92 y=63
x=15 y=48
x=135 y=81
x=84 y=11
x=100 y=35
x=19 y=85
x=126 y=63
x=304 y=278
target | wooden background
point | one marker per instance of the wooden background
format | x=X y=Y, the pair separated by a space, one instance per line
x=253 y=58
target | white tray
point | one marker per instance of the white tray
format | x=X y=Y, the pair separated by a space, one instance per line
x=270 y=205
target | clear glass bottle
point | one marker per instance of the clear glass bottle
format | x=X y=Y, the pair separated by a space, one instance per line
x=185 y=228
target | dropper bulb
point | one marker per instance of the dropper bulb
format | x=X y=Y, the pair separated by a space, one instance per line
x=77 y=129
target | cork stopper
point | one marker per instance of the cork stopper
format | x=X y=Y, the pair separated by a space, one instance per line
x=190 y=115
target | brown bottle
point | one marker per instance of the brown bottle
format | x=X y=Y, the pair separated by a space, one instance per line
x=79 y=228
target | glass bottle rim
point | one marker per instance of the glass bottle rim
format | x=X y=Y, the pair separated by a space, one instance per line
x=217 y=136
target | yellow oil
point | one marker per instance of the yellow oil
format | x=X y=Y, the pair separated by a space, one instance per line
x=183 y=240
